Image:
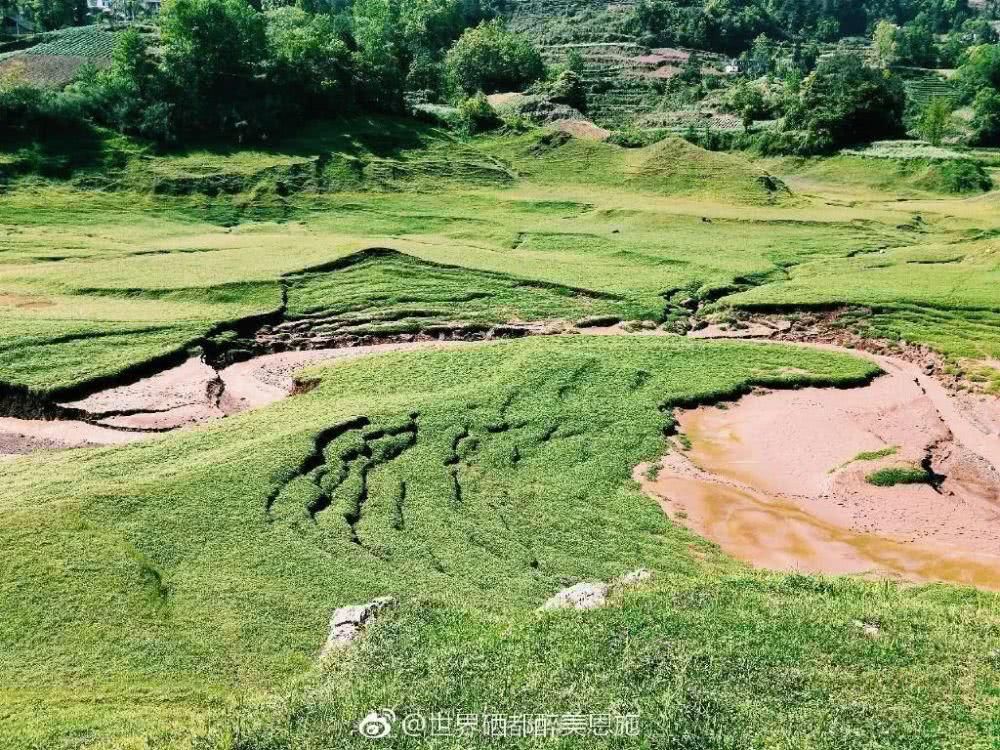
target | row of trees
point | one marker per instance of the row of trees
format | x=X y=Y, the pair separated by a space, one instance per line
x=978 y=81
x=916 y=43
x=48 y=14
x=843 y=100
x=731 y=25
x=224 y=68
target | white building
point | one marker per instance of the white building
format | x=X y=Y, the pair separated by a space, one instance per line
x=127 y=8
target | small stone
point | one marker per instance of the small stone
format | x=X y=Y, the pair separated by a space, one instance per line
x=868 y=629
x=782 y=326
x=598 y=321
x=347 y=623
x=580 y=596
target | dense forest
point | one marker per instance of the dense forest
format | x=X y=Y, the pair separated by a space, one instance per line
x=242 y=71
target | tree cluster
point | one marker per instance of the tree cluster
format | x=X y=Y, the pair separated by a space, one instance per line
x=227 y=69
x=979 y=85
x=731 y=25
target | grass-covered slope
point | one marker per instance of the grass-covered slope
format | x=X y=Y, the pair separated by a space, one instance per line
x=944 y=295
x=391 y=290
x=151 y=588
x=147 y=585
x=675 y=166
x=577 y=233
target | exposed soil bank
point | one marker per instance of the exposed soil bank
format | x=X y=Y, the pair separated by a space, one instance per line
x=244 y=373
x=189 y=394
x=21 y=436
x=775 y=480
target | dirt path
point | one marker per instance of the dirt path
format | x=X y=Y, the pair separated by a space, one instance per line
x=774 y=481
x=21 y=436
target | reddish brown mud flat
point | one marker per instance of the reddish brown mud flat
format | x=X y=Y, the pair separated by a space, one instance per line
x=780 y=480
x=21 y=436
x=189 y=394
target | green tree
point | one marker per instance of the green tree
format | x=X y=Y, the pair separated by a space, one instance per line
x=568 y=88
x=213 y=53
x=127 y=96
x=55 y=14
x=986 y=121
x=934 y=121
x=885 y=44
x=489 y=58
x=307 y=60
x=916 y=45
x=575 y=62
x=8 y=8
x=746 y=100
x=477 y=115
x=845 y=101
x=981 y=70
x=392 y=34
x=380 y=56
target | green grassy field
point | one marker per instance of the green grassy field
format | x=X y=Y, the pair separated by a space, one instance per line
x=640 y=229
x=176 y=593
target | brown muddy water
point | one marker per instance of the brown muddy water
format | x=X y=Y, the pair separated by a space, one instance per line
x=773 y=480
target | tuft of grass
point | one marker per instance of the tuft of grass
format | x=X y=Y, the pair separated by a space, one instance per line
x=893 y=475
x=875 y=455
x=869 y=456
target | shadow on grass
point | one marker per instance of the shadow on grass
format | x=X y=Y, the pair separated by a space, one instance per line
x=58 y=152
x=372 y=135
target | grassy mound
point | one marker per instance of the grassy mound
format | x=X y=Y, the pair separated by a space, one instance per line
x=898 y=169
x=669 y=167
x=675 y=166
x=390 y=292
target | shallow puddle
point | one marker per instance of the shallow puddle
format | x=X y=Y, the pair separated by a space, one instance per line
x=778 y=480
x=773 y=533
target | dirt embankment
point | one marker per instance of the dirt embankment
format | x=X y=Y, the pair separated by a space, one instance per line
x=191 y=393
x=780 y=479
x=241 y=374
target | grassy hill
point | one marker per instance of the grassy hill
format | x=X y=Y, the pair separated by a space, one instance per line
x=176 y=593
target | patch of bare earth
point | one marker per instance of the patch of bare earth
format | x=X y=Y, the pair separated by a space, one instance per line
x=22 y=436
x=775 y=480
x=189 y=394
x=583 y=129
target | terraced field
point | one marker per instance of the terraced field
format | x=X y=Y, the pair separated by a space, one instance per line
x=496 y=333
x=57 y=59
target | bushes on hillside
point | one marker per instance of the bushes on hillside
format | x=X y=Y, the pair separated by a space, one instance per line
x=308 y=59
x=962 y=176
x=477 y=115
x=489 y=58
x=213 y=55
x=986 y=121
x=29 y=111
x=845 y=101
x=225 y=69
x=979 y=83
x=732 y=25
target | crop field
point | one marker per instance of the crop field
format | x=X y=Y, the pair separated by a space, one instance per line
x=59 y=56
x=177 y=592
x=84 y=41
